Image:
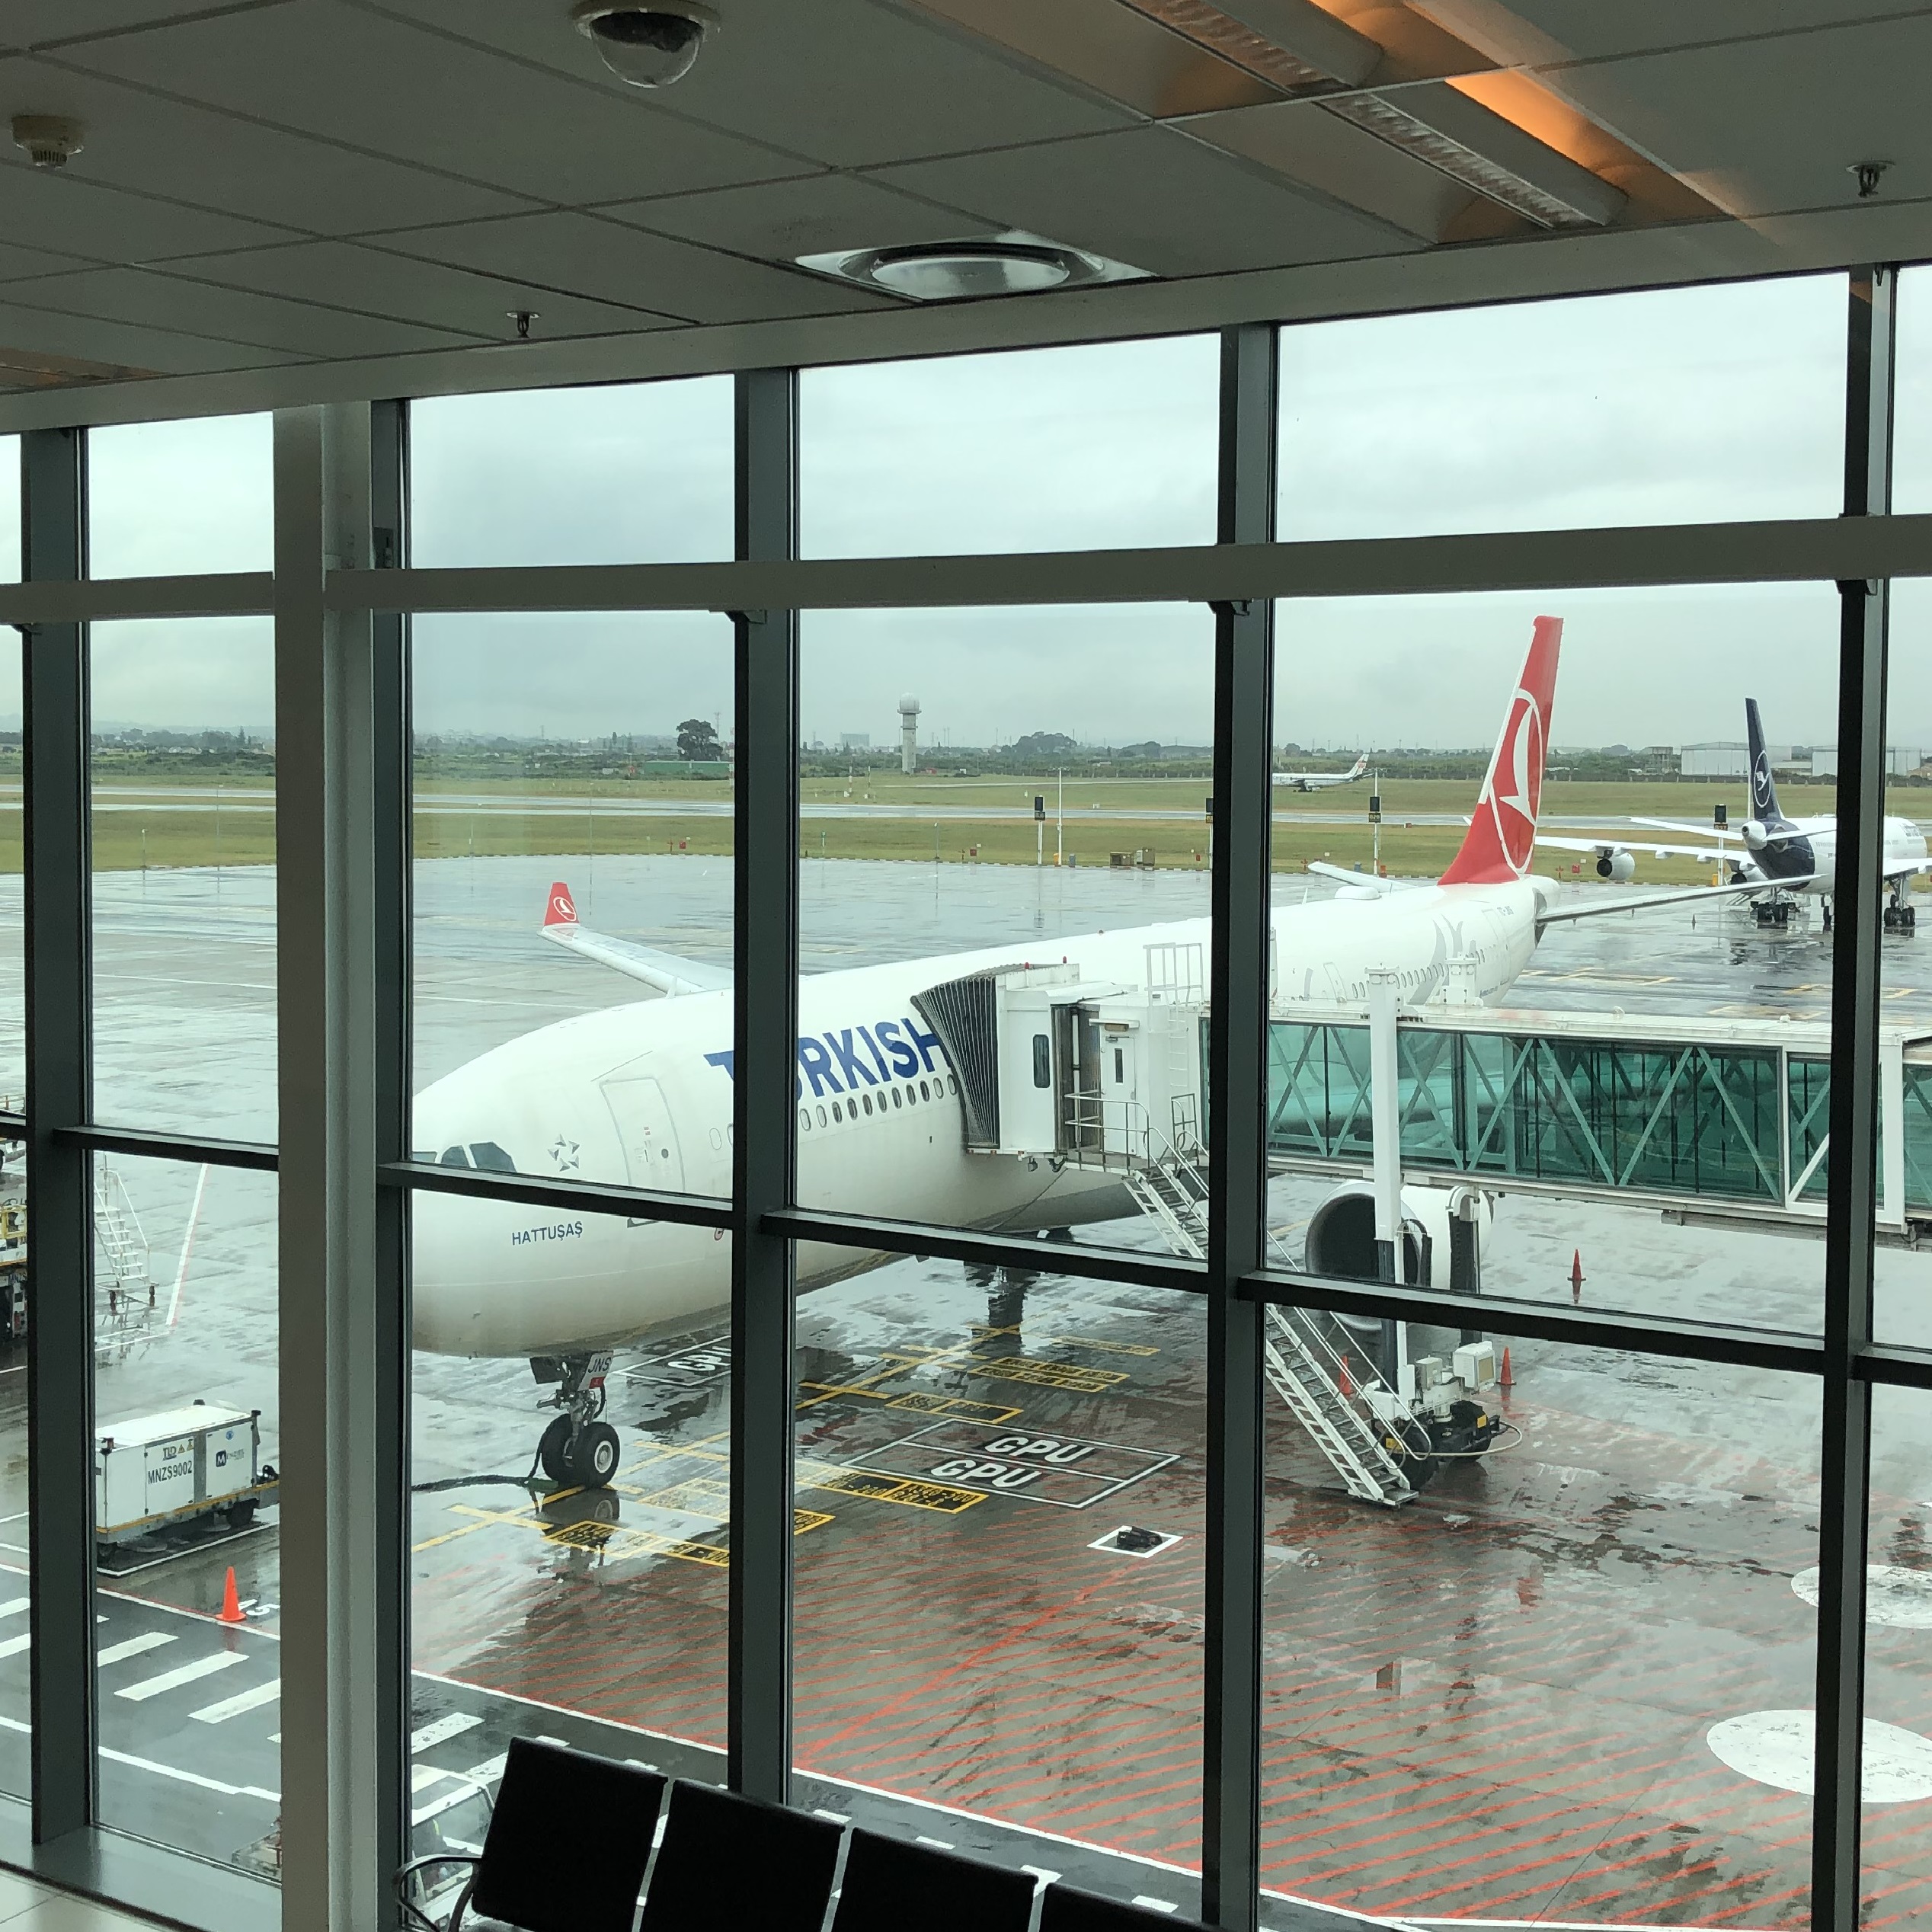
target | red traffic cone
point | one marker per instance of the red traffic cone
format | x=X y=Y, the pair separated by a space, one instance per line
x=230 y=1600
x=1505 y=1380
x=1577 y=1276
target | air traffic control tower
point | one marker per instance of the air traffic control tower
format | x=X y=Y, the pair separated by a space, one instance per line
x=908 y=733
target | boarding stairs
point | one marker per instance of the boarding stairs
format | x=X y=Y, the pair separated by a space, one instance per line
x=1340 y=1404
x=117 y=1229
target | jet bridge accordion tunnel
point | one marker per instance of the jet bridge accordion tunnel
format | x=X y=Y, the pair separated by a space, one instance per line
x=1722 y=1118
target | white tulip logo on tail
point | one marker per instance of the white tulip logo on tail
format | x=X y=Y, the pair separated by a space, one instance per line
x=562 y=909
x=1515 y=788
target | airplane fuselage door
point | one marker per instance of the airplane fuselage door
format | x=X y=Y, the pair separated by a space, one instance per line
x=1119 y=1068
x=643 y=1119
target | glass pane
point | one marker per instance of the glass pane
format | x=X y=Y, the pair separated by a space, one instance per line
x=1911 y=474
x=186 y=1442
x=10 y=517
x=1111 y=445
x=1666 y=406
x=573 y=785
x=1014 y=853
x=172 y=499
x=183 y=811
x=15 y=1665
x=570 y=1498
x=1904 y=1138
x=1604 y=1100
x=1555 y=1683
x=1000 y=1582
x=633 y=473
x=1897 y=1769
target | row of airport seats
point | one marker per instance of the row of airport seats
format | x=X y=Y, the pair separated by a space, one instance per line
x=569 y=1849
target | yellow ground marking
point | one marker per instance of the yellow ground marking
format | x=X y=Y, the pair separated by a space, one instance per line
x=959 y=1408
x=629 y=1539
x=1099 y=1347
x=1048 y=1375
x=875 y=1486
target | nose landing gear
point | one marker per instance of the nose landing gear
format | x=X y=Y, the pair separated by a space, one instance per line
x=1899 y=916
x=578 y=1448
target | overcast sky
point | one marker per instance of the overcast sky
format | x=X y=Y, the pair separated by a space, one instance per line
x=1672 y=407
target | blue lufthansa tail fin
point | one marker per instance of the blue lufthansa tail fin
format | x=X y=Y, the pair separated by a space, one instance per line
x=1764 y=807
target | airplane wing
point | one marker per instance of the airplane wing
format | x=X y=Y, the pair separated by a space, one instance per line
x=1599 y=907
x=1368 y=881
x=1709 y=854
x=1696 y=831
x=670 y=973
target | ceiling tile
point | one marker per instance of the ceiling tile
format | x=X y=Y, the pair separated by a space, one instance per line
x=29 y=23
x=140 y=140
x=98 y=341
x=74 y=216
x=813 y=215
x=381 y=284
x=352 y=75
x=612 y=263
x=1153 y=198
x=15 y=263
x=141 y=295
x=846 y=82
x=1541 y=30
x=1764 y=126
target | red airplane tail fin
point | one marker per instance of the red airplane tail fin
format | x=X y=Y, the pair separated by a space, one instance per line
x=562 y=909
x=1500 y=841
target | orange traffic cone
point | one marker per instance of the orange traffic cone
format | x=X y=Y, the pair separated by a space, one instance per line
x=230 y=1600
x=1347 y=1386
x=1577 y=1276
x=1505 y=1380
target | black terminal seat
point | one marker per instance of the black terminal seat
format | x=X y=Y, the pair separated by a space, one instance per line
x=569 y=1839
x=1067 y=1908
x=890 y=1885
x=728 y=1861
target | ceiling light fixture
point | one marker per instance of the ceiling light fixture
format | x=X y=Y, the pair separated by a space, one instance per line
x=50 y=140
x=1469 y=143
x=646 y=46
x=1291 y=44
x=1012 y=262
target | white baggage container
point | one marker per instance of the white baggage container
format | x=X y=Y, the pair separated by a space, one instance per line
x=171 y=1467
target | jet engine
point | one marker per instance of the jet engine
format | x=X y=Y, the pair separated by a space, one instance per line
x=1755 y=834
x=1443 y=1232
x=1617 y=865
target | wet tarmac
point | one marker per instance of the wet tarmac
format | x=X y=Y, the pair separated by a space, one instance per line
x=1492 y=1703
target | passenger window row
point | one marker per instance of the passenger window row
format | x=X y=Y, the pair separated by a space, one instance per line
x=719 y=1859
x=913 y=1093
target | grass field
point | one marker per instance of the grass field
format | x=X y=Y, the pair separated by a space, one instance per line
x=160 y=825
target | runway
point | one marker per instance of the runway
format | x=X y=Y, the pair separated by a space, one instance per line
x=1493 y=1704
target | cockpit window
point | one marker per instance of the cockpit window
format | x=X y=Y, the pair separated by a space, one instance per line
x=488 y=1154
x=453 y=1157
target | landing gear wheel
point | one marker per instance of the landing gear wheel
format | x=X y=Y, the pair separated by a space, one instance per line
x=594 y=1462
x=241 y=1515
x=553 y=1451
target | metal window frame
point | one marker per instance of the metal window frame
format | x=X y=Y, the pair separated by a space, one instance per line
x=355 y=913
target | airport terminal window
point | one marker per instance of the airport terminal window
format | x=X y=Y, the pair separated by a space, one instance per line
x=1665 y=406
x=924 y=867
x=1110 y=445
x=571 y=808
x=1912 y=479
x=570 y=1539
x=1557 y=1681
x=625 y=473
x=186 y=1418
x=974 y=1630
x=1628 y=1131
x=10 y=512
x=183 y=804
x=168 y=499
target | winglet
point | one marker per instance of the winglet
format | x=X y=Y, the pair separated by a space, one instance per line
x=561 y=910
x=1500 y=841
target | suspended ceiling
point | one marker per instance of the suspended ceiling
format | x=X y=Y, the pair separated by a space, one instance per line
x=303 y=197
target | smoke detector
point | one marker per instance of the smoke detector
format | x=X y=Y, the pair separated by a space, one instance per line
x=50 y=139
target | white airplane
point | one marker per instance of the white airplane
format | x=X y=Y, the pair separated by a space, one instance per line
x=1321 y=781
x=643 y=1091
x=1779 y=855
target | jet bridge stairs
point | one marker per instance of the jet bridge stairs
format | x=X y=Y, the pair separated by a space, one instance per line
x=1054 y=1065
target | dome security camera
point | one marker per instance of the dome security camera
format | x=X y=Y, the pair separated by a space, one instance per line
x=646 y=46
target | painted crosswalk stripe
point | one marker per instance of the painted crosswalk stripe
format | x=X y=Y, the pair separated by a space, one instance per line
x=134 y=1646
x=153 y=1687
x=15 y=1605
x=444 y=1728
x=422 y=1776
x=244 y=1700
x=13 y=1647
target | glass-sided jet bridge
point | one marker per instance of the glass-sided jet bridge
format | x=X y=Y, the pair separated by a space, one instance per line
x=1727 y=1116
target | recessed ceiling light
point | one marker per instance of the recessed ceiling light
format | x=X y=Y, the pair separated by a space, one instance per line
x=974 y=266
